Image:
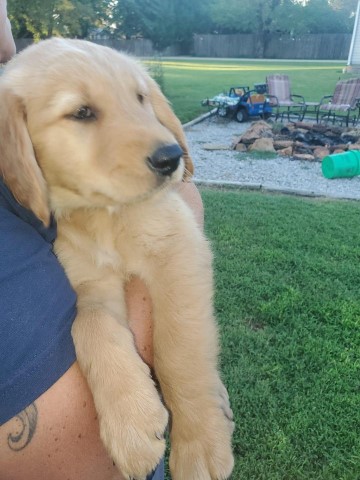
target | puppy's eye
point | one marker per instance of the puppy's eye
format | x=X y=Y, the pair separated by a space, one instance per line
x=84 y=113
x=141 y=98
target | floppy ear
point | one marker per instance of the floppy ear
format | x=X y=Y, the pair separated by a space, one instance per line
x=18 y=165
x=167 y=117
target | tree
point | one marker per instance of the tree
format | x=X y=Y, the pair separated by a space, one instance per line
x=319 y=16
x=245 y=16
x=45 y=18
x=126 y=18
x=165 y=22
x=348 y=6
x=284 y=16
x=174 y=22
x=333 y=16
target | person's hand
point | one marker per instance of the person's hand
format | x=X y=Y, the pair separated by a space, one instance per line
x=7 y=43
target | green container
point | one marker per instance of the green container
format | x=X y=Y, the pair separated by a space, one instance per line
x=341 y=165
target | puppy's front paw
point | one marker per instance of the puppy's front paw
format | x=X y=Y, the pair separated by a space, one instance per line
x=132 y=429
x=208 y=456
x=201 y=450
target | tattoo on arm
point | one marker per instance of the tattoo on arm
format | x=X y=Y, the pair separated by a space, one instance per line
x=26 y=421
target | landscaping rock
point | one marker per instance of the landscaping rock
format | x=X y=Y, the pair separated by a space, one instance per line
x=340 y=146
x=285 y=152
x=281 y=144
x=351 y=136
x=262 y=145
x=303 y=156
x=240 y=147
x=235 y=141
x=321 y=152
x=257 y=130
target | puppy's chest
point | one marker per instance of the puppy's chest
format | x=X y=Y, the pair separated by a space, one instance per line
x=119 y=250
x=111 y=242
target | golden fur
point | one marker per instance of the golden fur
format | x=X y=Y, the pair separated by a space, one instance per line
x=116 y=217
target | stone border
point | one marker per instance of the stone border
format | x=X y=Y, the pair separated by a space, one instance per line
x=267 y=189
x=199 y=119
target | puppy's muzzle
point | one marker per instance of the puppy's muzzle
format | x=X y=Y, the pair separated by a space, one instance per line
x=165 y=160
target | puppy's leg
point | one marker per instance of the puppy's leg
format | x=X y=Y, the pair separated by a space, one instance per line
x=185 y=348
x=131 y=416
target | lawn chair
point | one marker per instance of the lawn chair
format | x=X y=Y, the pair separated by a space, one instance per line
x=343 y=105
x=282 y=100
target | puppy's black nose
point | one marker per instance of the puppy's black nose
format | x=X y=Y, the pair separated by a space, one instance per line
x=165 y=160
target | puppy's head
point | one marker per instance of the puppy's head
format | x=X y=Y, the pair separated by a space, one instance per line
x=85 y=126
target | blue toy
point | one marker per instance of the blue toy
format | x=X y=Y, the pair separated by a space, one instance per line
x=241 y=103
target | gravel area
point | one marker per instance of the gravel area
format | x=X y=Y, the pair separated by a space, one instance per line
x=274 y=174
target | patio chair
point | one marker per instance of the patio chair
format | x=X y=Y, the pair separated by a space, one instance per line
x=343 y=105
x=282 y=100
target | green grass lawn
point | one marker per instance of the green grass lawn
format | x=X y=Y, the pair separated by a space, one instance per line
x=287 y=300
x=287 y=275
x=188 y=81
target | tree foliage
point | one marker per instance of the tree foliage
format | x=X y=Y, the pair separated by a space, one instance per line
x=245 y=16
x=169 y=22
x=45 y=18
x=320 y=16
x=285 y=16
x=165 y=22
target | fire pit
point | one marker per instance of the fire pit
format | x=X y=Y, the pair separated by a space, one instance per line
x=298 y=140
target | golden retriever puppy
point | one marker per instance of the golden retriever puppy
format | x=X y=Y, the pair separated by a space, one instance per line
x=87 y=134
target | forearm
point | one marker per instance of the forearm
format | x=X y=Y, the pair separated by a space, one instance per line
x=7 y=44
x=56 y=437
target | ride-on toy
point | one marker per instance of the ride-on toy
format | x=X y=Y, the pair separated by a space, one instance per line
x=241 y=103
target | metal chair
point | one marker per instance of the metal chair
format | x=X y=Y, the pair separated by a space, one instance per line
x=343 y=105
x=282 y=100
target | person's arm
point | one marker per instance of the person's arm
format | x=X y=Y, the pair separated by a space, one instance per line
x=57 y=437
x=7 y=44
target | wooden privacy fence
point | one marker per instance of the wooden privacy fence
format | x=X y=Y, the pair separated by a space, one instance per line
x=140 y=47
x=308 y=47
x=327 y=46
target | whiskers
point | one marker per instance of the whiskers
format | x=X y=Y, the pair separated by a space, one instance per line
x=187 y=174
x=188 y=167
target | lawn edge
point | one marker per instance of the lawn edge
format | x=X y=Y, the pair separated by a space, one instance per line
x=267 y=188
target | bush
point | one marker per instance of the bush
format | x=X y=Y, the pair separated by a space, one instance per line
x=156 y=70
